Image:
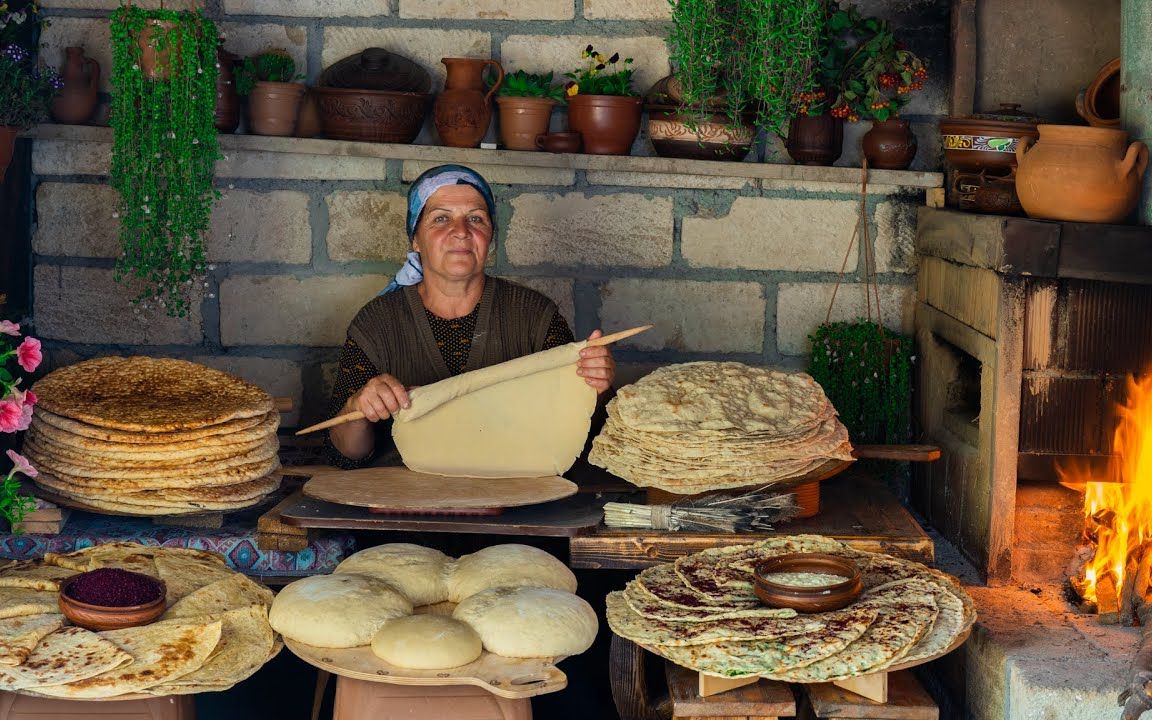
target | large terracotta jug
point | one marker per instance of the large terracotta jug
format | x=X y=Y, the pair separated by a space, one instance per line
x=1080 y=174
x=77 y=99
x=463 y=111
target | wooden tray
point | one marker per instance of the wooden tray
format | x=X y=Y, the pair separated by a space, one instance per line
x=507 y=677
x=400 y=490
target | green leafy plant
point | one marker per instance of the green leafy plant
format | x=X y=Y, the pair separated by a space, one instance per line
x=866 y=371
x=526 y=84
x=750 y=56
x=863 y=72
x=601 y=75
x=26 y=88
x=20 y=22
x=164 y=152
x=273 y=66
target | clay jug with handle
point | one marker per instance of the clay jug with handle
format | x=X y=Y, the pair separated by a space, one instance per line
x=463 y=111
x=77 y=100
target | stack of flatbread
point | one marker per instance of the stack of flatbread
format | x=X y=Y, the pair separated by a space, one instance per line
x=703 y=426
x=153 y=436
x=701 y=612
x=214 y=634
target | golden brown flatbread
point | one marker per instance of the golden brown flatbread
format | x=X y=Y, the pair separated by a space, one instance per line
x=65 y=656
x=232 y=430
x=18 y=601
x=221 y=596
x=144 y=394
x=35 y=576
x=224 y=497
x=138 y=469
x=185 y=574
x=88 y=450
x=20 y=635
x=246 y=640
x=162 y=480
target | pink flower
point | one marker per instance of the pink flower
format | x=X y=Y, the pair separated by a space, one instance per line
x=21 y=464
x=29 y=355
x=25 y=417
x=11 y=416
x=30 y=398
x=9 y=328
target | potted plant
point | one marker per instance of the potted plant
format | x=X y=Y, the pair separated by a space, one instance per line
x=164 y=151
x=27 y=91
x=268 y=80
x=702 y=133
x=16 y=407
x=602 y=106
x=753 y=55
x=526 y=101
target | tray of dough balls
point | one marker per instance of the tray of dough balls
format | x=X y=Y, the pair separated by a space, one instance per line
x=500 y=618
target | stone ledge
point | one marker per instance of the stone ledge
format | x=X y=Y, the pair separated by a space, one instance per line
x=598 y=163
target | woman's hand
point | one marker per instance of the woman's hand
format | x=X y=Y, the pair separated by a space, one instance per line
x=381 y=397
x=596 y=365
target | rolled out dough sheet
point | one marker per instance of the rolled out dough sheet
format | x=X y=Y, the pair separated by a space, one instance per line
x=527 y=417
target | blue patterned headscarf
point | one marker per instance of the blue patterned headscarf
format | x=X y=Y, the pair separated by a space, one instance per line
x=428 y=183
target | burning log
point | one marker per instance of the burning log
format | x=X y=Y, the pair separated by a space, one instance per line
x=1133 y=588
x=1107 y=604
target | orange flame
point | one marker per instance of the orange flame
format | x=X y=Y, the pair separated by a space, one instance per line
x=1122 y=511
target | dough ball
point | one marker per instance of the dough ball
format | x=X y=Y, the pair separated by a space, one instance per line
x=427 y=642
x=530 y=621
x=336 y=611
x=416 y=571
x=507 y=566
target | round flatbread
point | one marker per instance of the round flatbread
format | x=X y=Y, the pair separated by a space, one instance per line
x=509 y=565
x=530 y=621
x=145 y=394
x=123 y=455
x=336 y=611
x=427 y=642
x=97 y=468
x=416 y=571
x=235 y=430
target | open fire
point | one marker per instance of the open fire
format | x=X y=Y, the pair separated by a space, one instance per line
x=1117 y=573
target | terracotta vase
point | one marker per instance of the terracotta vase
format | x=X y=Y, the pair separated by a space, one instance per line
x=522 y=119
x=607 y=123
x=889 y=145
x=7 y=146
x=1080 y=174
x=308 y=123
x=273 y=107
x=815 y=139
x=77 y=99
x=463 y=111
x=227 y=99
x=154 y=63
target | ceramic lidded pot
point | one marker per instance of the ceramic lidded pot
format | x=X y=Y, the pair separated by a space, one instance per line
x=1080 y=174
x=372 y=96
x=463 y=111
x=986 y=141
x=77 y=99
x=889 y=145
x=708 y=134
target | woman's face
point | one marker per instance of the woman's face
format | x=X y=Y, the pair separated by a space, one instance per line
x=454 y=233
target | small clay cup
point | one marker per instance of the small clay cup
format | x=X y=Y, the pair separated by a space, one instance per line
x=808 y=599
x=99 y=617
x=559 y=142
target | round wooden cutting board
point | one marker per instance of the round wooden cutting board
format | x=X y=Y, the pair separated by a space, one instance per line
x=398 y=489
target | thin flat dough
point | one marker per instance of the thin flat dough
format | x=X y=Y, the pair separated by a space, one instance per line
x=528 y=417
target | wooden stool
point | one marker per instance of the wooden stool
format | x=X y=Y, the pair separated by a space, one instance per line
x=764 y=700
x=22 y=707
x=907 y=700
x=363 y=700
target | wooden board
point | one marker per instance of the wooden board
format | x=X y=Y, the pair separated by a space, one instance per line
x=763 y=698
x=907 y=700
x=561 y=518
x=507 y=677
x=398 y=489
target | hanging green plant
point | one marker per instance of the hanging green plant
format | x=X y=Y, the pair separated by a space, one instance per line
x=747 y=57
x=164 y=150
x=866 y=371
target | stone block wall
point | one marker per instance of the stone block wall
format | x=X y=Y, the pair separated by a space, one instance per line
x=727 y=267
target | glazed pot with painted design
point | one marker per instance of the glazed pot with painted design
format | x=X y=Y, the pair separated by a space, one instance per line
x=1080 y=174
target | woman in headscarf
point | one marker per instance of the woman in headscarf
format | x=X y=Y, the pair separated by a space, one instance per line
x=441 y=316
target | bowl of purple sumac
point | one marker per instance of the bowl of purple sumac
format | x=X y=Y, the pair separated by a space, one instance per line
x=111 y=598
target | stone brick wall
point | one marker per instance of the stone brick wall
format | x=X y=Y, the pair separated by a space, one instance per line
x=727 y=267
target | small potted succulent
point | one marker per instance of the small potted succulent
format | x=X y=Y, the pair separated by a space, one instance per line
x=602 y=106
x=526 y=101
x=274 y=96
x=27 y=91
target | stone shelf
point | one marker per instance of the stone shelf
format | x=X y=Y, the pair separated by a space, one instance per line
x=599 y=163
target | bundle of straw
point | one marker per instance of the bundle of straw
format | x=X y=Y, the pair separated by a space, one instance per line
x=755 y=511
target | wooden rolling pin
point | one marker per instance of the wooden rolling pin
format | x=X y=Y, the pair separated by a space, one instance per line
x=357 y=415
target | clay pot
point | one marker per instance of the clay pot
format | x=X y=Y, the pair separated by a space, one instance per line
x=227 y=99
x=815 y=139
x=607 y=124
x=463 y=111
x=77 y=99
x=559 y=142
x=889 y=145
x=1099 y=103
x=371 y=115
x=986 y=141
x=154 y=63
x=704 y=136
x=377 y=69
x=7 y=146
x=1080 y=174
x=273 y=107
x=987 y=192
x=522 y=119
x=308 y=124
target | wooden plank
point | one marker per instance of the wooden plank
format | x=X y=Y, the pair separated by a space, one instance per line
x=965 y=47
x=1115 y=253
x=764 y=698
x=272 y=534
x=969 y=294
x=907 y=700
x=707 y=685
x=628 y=679
x=874 y=686
x=855 y=508
x=963 y=237
x=398 y=489
x=1001 y=437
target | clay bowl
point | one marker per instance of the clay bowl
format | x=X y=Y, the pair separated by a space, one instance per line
x=808 y=599
x=371 y=115
x=559 y=142
x=100 y=617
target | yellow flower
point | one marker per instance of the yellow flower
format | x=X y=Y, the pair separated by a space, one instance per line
x=592 y=72
x=573 y=89
x=600 y=58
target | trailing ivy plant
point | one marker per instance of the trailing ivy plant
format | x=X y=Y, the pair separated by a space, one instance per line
x=164 y=152
x=749 y=56
x=866 y=371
